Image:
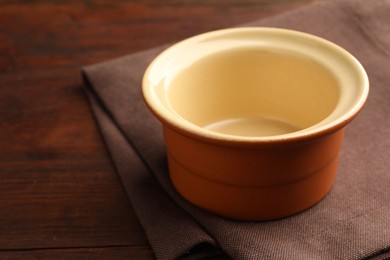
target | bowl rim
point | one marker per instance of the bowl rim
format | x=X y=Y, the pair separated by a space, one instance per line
x=179 y=124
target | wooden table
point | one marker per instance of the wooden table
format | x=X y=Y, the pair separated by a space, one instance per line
x=60 y=196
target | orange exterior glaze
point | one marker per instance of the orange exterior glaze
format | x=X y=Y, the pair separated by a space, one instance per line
x=253 y=183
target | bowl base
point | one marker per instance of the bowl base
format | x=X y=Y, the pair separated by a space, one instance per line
x=252 y=203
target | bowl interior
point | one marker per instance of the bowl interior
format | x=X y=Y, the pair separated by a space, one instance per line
x=248 y=84
x=253 y=92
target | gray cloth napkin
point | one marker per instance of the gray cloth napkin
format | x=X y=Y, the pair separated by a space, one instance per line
x=352 y=222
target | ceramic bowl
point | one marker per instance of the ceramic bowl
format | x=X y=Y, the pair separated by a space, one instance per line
x=254 y=118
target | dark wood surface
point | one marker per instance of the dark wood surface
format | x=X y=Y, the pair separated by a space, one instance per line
x=60 y=197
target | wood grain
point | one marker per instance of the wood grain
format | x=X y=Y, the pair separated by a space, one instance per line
x=59 y=194
x=117 y=253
